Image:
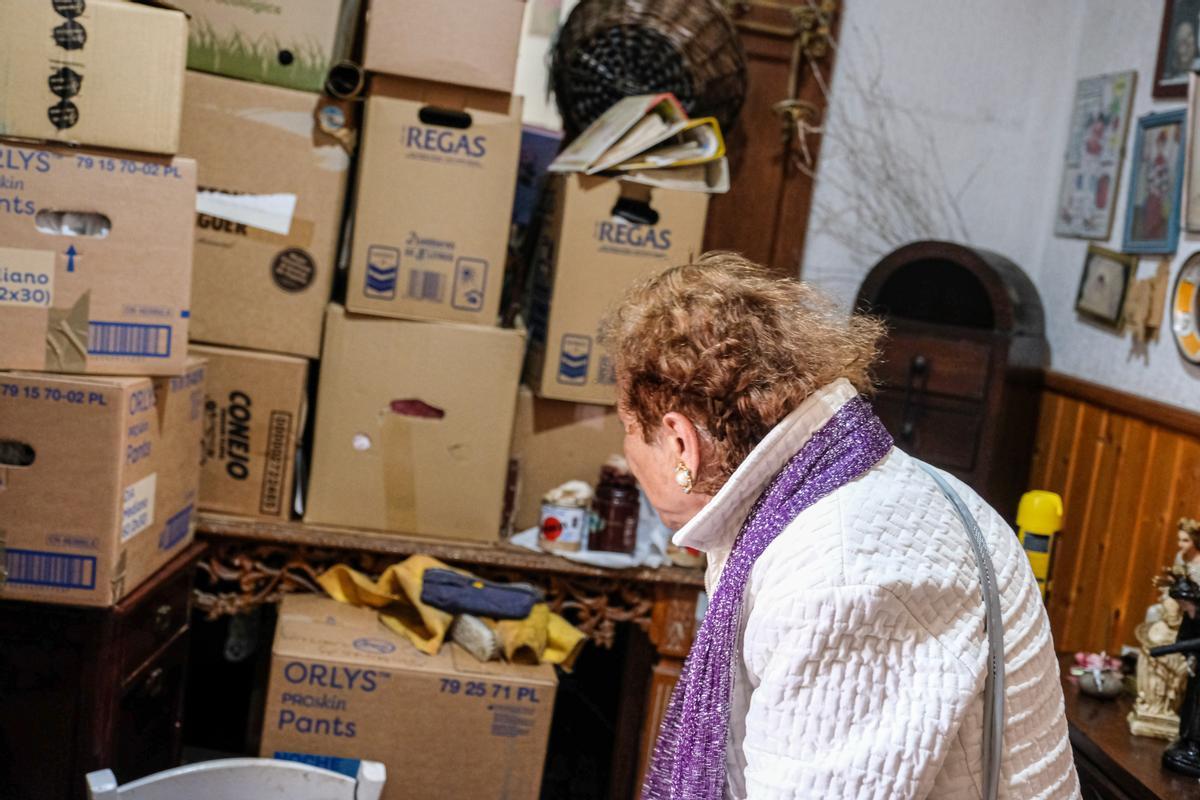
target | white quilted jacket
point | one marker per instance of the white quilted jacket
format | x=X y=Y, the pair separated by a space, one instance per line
x=862 y=644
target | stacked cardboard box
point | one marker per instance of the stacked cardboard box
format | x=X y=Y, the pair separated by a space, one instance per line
x=105 y=73
x=168 y=249
x=290 y=44
x=598 y=240
x=98 y=479
x=98 y=475
x=254 y=415
x=274 y=159
x=343 y=688
x=555 y=442
x=272 y=184
x=417 y=398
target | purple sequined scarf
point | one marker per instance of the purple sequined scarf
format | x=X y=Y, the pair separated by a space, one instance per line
x=689 y=756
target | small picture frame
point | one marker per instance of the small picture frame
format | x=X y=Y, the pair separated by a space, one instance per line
x=1178 y=48
x=1104 y=283
x=1156 y=184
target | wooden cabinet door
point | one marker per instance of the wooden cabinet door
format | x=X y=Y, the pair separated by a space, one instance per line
x=149 y=719
x=765 y=214
x=46 y=660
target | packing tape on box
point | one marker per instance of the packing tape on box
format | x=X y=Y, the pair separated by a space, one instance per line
x=399 y=470
x=67 y=336
x=301 y=235
x=118 y=575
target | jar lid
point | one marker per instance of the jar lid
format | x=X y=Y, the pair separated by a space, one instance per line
x=574 y=494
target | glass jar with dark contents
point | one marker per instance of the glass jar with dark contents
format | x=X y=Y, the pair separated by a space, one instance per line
x=615 y=507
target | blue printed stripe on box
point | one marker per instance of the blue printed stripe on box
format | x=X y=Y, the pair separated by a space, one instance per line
x=128 y=339
x=39 y=568
x=175 y=529
x=346 y=766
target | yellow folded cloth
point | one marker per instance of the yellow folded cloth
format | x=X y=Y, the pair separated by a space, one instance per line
x=397 y=595
x=542 y=637
x=564 y=642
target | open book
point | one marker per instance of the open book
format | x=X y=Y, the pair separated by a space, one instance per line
x=649 y=139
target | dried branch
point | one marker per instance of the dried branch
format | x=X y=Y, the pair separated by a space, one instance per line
x=881 y=190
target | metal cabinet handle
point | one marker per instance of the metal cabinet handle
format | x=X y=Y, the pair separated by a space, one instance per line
x=154 y=685
x=162 y=618
x=918 y=373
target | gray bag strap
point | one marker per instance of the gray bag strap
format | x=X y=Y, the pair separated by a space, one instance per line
x=993 y=686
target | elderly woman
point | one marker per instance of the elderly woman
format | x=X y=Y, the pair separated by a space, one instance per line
x=844 y=652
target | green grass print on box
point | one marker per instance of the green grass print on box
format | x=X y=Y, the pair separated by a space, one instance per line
x=256 y=59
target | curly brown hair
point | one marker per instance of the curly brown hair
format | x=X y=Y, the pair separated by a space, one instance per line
x=735 y=349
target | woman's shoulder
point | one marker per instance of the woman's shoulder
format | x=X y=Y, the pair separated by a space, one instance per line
x=891 y=528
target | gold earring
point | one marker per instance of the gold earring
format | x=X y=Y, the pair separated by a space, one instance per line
x=683 y=476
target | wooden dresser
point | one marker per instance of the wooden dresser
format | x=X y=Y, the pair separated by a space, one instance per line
x=88 y=688
x=961 y=369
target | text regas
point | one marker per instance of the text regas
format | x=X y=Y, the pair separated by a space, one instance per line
x=440 y=140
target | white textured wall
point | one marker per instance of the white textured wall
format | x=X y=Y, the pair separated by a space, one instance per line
x=1116 y=36
x=532 y=65
x=989 y=84
x=992 y=85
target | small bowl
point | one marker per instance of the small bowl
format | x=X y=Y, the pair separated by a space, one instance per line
x=1104 y=683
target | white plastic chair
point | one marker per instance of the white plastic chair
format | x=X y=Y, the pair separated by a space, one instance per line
x=243 y=779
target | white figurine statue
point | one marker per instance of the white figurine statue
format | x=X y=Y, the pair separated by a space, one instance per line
x=1188 y=556
x=1161 y=681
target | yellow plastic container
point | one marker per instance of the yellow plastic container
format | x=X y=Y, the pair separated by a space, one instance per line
x=1039 y=519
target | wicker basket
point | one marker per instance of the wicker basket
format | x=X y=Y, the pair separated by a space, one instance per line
x=609 y=49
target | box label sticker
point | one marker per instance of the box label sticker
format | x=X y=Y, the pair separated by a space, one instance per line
x=470 y=282
x=26 y=277
x=137 y=506
x=293 y=270
x=573 y=359
x=383 y=269
x=268 y=212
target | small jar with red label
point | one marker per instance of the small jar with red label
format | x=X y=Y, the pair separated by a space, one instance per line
x=615 y=510
x=565 y=517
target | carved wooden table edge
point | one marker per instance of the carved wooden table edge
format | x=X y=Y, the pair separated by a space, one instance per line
x=252 y=562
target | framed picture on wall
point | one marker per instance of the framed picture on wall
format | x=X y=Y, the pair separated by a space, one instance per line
x=1095 y=149
x=1103 y=285
x=1191 y=170
x=1177 y=47
x=1155 y=184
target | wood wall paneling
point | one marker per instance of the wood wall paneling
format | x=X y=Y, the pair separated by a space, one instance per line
x=1127 y=469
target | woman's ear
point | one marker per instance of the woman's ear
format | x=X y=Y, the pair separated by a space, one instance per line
x=682 y=439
